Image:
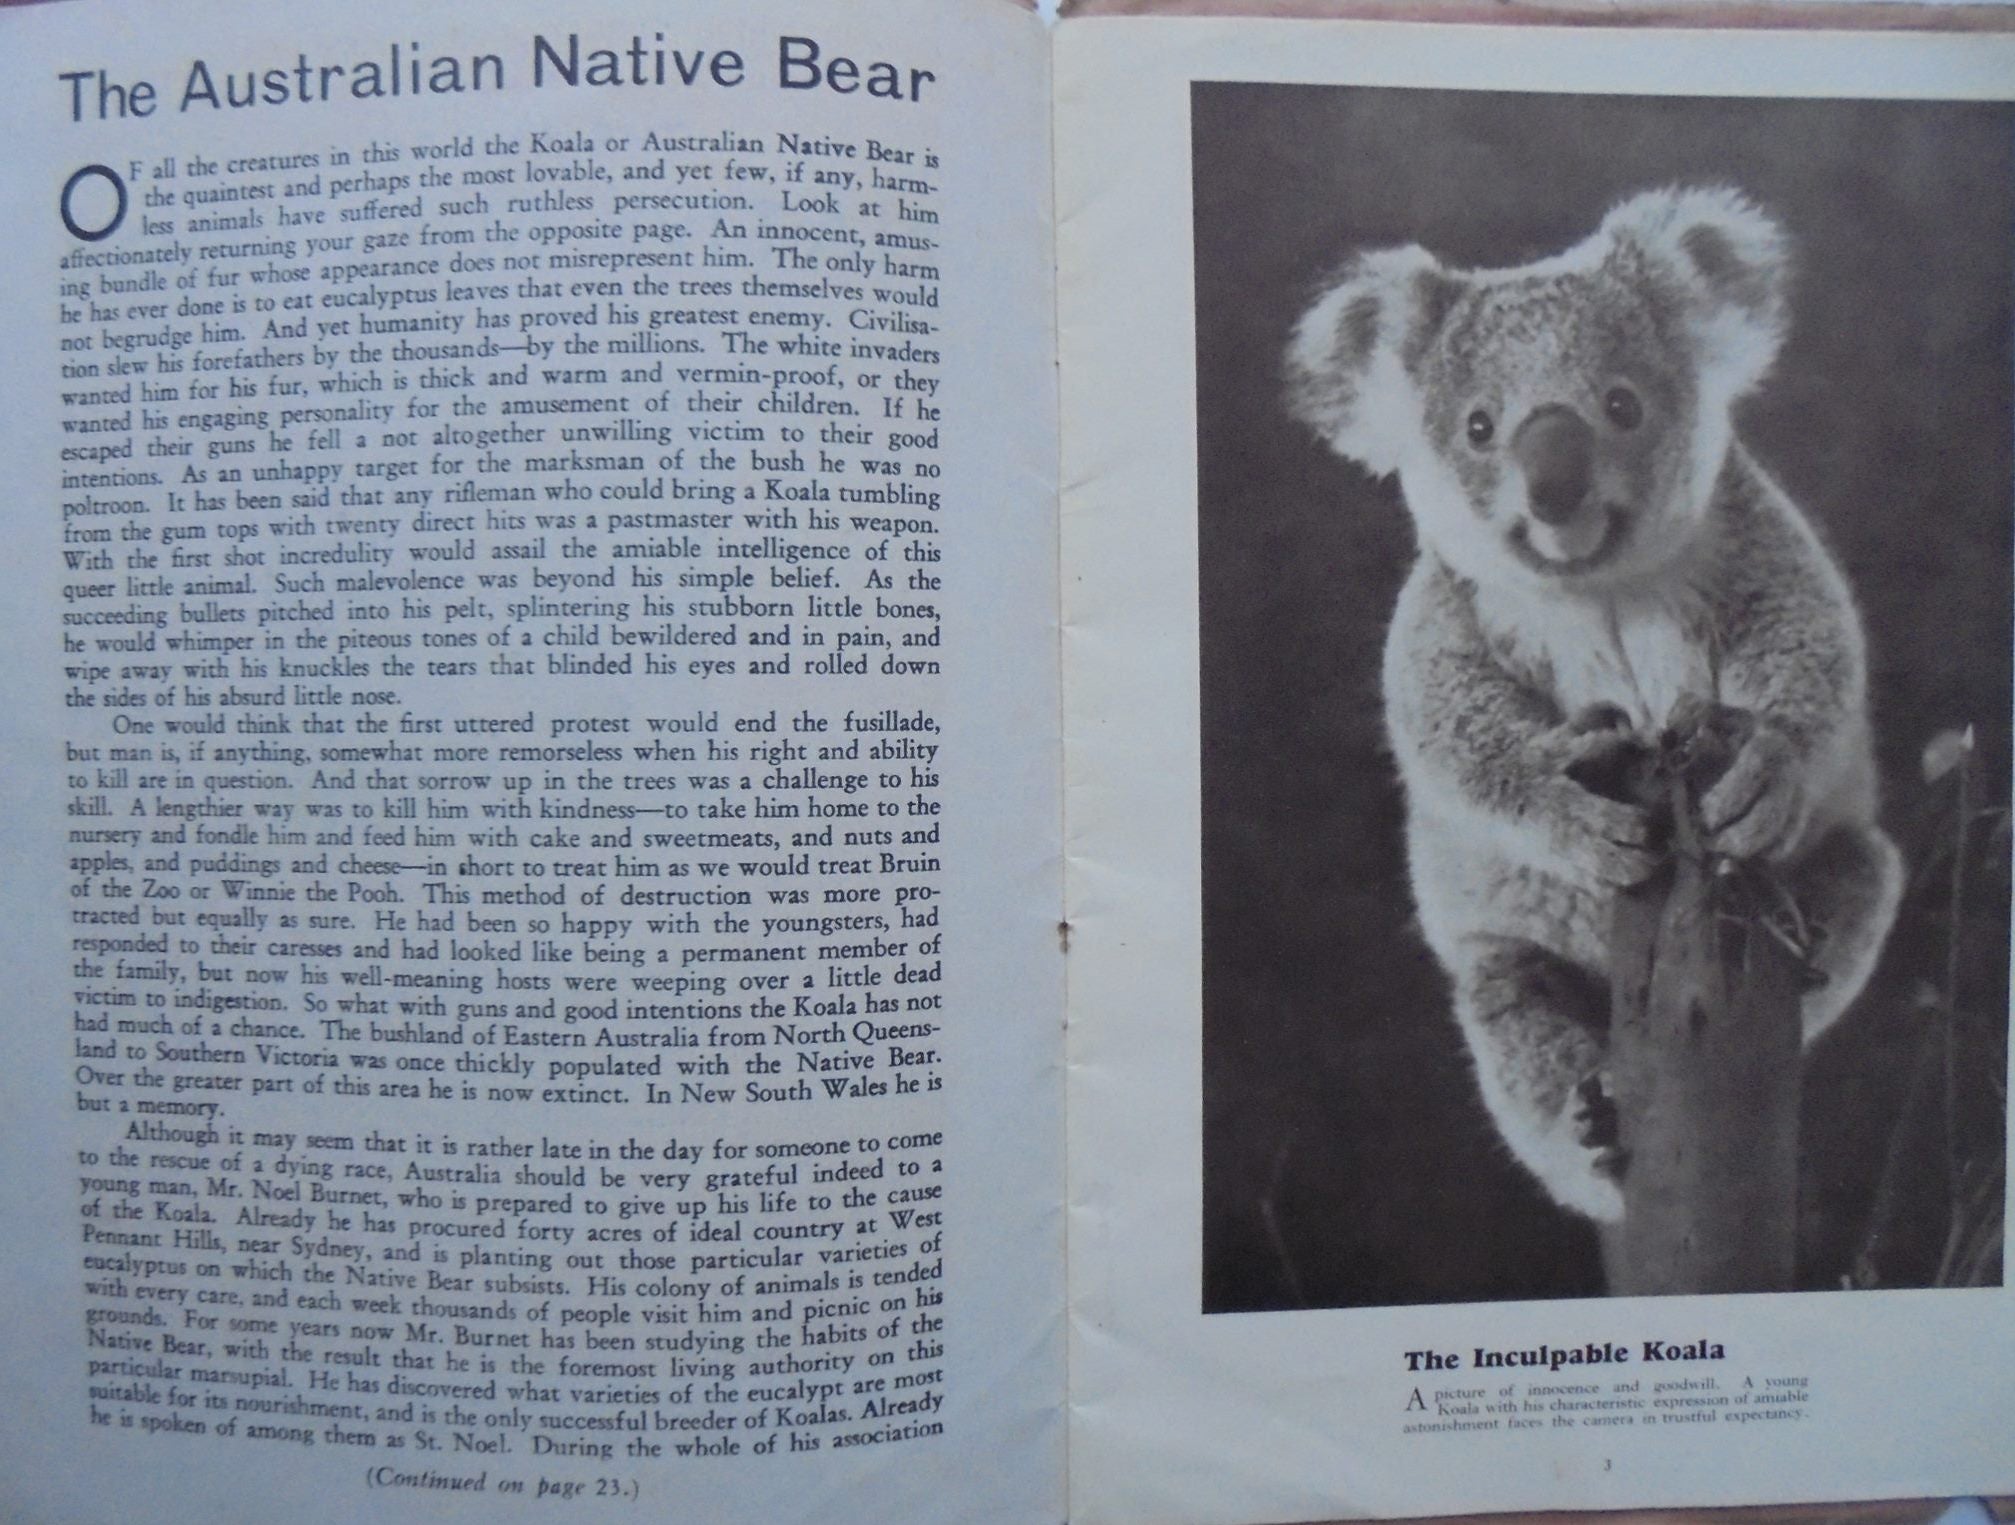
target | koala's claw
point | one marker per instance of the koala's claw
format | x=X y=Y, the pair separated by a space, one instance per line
x=1594 y=1112
x=1595 y=1125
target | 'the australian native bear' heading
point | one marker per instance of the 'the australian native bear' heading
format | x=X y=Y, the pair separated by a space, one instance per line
x=405 y=69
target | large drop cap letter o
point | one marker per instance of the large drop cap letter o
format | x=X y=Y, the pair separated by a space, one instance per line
x=93 y=172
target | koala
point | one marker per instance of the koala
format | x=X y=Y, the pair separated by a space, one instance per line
x=1599 y=556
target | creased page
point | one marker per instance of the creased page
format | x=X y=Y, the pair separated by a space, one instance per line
x=1537 y=728
x=531 y=872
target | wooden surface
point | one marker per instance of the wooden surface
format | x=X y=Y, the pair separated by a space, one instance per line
x=1704 y=1057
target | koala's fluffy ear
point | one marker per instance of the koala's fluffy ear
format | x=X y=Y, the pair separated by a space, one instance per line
x=1345 y=374
x=1731 y=264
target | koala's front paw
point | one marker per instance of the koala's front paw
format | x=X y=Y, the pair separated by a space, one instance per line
x=1760 y=807
x=1706 y=736
x=1602 y=752
x=1593 y=803
x=1603 y=842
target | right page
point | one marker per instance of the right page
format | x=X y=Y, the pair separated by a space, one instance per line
x=1537 y=666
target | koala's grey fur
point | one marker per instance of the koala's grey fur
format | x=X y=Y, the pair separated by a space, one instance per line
x=1592 y=534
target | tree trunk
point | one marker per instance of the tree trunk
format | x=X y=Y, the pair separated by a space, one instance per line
x=1704 y=1061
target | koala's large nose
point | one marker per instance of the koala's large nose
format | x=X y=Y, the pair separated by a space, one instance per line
x=1556 y=449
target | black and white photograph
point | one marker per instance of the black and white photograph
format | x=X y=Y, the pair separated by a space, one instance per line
x=1605 y=625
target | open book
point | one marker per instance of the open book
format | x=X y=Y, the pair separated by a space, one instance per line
x=804 y=761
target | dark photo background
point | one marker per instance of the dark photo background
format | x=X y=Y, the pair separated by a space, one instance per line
x=1347 y=1160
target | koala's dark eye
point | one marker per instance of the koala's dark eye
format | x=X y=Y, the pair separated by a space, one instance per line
x=1623 y=408
x=1481 y=429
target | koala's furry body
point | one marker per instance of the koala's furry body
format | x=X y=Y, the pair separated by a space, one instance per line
x=1597 y=552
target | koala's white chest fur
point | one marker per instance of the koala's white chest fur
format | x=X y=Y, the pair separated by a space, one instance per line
x=1640 y=651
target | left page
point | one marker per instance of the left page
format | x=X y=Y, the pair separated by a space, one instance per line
x=531 y=861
